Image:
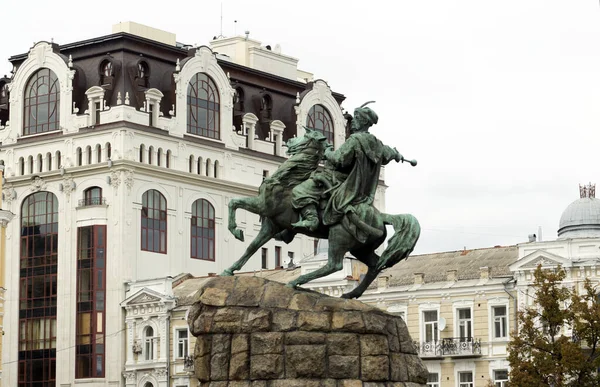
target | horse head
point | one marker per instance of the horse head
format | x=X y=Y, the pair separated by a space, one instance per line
x=312 y=139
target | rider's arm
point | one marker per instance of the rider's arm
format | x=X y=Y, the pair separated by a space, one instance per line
x=390 y=154
x=343 y=156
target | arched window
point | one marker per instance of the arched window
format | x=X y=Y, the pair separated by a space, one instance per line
x=150 y=155
x=191 y=163
x=98 y=153
x=209 y=167
x=142 y=155
x=199 y=166
x=203 y=107
x=168 y=161
x=79 y=155
x=42 y=97
x=238 y=100
x=154 y=222
x=30 y=165
x=216 y=174
x=106 y=72
x=203 y=230
x=159 y=157
x=143 y=73
x=58 y=160
x=21 y=166
x=88 y=155
x=108 y=151
x=320 y=119
x=148 y=343
x=40 y=164
x=266 y=105
x=38 y=289
x=92 y=196
x=48 y=161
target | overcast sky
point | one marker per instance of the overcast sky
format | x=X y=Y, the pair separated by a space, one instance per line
x=499 y=101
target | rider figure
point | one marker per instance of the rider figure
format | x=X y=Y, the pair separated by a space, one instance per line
x=351 y=174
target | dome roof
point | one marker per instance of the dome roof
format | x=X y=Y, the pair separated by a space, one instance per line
x=581 y=219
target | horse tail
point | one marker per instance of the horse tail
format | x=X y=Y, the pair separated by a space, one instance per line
x=406 y=234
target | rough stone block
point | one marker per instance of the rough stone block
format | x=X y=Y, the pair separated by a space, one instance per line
x=417 y=372
x=305 y=361
x=374 y=368
x=375 y=323
x=348 y=321
x=303 y=301
x=219 y=366
x=266 y=366
x=228 y=320
x=214 y=297
x=314 y=321
x=248 y=292
x=257 y=320
x=328 y=304
x=239 y=366
x=350 y=383
x=371 y=345
x=221 y=343
x=259 y=383
x=266 y=343
x=277 y=296
x=284 y=320
x=302 y=338
x=343 y=367
x=295 y=383
x=218 y=384
x=398 y=370
x=202 y=367
x=203 y=345
x=239 y=384
x=345 y=344
x=239 y=343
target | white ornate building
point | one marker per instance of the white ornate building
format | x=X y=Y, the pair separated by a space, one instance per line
x=121 y=153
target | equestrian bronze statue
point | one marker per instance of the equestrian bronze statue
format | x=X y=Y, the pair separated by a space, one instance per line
x=334 y=202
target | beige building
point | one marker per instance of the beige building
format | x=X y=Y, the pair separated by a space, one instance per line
x=5 y=217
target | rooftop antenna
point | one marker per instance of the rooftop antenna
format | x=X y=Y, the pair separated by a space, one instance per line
x=235 y=28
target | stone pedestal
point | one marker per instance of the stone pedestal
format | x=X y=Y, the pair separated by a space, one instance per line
x=254 y=332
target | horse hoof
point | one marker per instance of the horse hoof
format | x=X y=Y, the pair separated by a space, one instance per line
x=291 y=285
x=239 y=235
x=227 y=273
x=347 y=296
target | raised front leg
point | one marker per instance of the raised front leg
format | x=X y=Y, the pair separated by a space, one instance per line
x=267 y=231
x=363 y=285
x=249 y=204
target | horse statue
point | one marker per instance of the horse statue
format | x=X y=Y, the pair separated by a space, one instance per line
x=358 y=227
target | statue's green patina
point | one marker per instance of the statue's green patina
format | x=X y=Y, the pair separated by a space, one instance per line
x=335 y=203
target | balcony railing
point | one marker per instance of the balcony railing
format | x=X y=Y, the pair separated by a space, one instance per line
x=454 y=346
x=92 y=202
x=188 y=364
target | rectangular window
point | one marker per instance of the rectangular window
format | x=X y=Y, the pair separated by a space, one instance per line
x=97 y=115
x=465 y=379
x=430 y=320
x=182 y=343
x=500 y=318
x=500 y=378
x=265 y=174
x=464 y=323
x=277 y=256
x=433 y=380
x=316 y=246
x=264 y=257
x=91 y=284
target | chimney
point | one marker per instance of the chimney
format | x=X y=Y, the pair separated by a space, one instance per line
x=419 y=278
x=383 y=282
x=451 y=275
x=485 y=272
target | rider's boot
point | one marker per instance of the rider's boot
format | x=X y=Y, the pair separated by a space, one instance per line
x=310 y=218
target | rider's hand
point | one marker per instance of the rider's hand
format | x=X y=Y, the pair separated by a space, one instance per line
x=398 y=156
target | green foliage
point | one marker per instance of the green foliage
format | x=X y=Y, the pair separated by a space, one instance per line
x=539 y=353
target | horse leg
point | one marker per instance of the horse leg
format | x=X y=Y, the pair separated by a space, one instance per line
x=335 y=263
x=372 y=273
x=249 y=204
x=267 y=231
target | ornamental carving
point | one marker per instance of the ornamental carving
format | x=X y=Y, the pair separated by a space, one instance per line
x=115 y=180
x=128 y=178
x=68 y=185
x=129 y=376
x=38 y=184
x=8 y=193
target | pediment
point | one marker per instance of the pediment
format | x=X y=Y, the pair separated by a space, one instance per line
x=145 y=296
x=534 y=259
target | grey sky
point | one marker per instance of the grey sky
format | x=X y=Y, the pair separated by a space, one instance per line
x=499 y=101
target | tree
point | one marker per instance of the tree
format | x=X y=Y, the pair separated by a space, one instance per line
x=539 y=353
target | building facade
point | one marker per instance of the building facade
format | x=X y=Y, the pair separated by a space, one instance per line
x=121 y=153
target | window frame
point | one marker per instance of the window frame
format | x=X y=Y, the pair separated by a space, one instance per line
x=197 y=233
x=433 y=383
x=502 y=382
x=149 y=344
x=160 y=231
x=461 y=383
x=51 y=101
x=177 y=343
x=503 y=320
x=203 y=83
x=464 y=326
x=318 y=113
